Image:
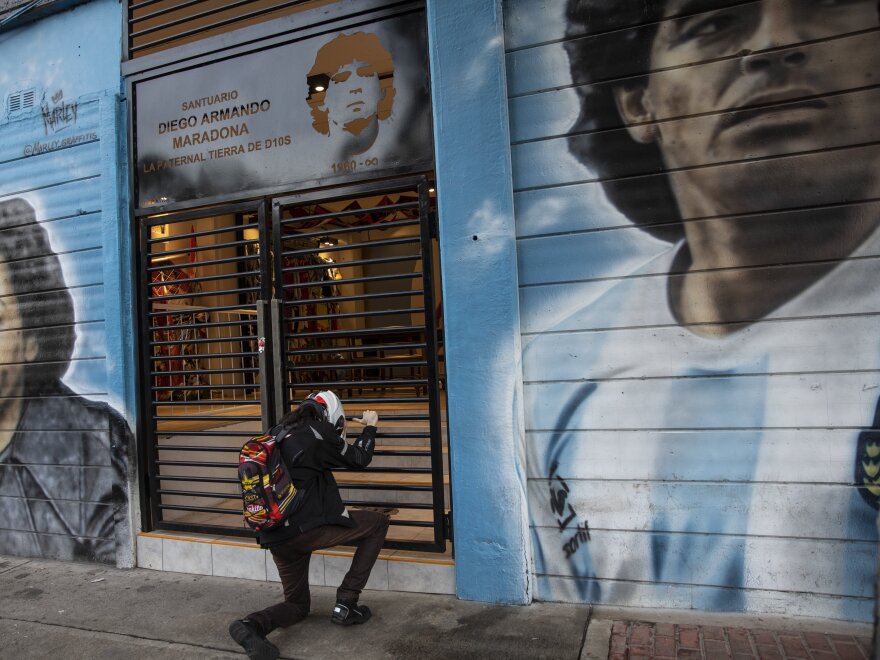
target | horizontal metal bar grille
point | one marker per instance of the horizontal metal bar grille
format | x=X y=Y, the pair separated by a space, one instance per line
x=157 y=25
x=314 y=218
x=215 y=278
x=353 y=349
x=237 y=512
x=172 y=342
x=360 y=365
x=210 y=434
x=211 y=355
x=357 y=333
x=213 y=262
x=352 y=264
x=244 y=319
x=202 y=275
x=361 y=280
x=362 y=296
x=357 y=317
x=381 y=312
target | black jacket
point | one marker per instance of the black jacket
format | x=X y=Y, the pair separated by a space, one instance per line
x=310 y=450
x=62 y=478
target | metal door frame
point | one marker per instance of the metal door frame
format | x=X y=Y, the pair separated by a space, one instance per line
x=273 y=381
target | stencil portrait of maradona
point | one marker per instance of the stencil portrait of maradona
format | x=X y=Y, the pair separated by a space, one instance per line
x=351 y=91
x=745 y=350
x=62 y=456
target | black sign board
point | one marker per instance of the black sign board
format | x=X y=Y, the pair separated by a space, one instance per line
x=338 y=107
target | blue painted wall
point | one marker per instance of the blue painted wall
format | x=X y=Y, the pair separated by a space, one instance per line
x=477 y=244
x=62 y=181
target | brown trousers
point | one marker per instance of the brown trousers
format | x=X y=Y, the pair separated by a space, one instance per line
x=292 y=559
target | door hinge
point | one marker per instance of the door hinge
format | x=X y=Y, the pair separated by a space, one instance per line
x=447 y=525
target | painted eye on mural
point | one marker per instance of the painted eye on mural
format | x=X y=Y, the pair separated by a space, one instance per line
x=709 y=27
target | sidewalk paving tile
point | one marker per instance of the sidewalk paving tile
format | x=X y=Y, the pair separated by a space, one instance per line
x=688 y=637
x=664 y=641
x=822 y=655
x=792 y=646
x=848 y=651
x=714 y=647
x=767 y=652
x=664 y=646
x=640 y=635
x=665 y=629
x=818 y=642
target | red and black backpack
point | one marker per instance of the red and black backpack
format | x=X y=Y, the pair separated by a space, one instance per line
x=268 y=493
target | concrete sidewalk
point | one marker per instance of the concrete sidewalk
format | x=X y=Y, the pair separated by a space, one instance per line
x=74 y=610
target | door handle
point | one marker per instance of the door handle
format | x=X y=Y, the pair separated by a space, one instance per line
x=279 y=358
x=265 y=393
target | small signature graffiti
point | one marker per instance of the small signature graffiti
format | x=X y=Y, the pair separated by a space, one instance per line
x=58 y=114
x=565 y=514
x=581 y=535
x=37 y=147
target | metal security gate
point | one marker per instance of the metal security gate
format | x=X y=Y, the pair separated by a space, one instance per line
x=204 y=274
x=357 y=286
x=242 y=318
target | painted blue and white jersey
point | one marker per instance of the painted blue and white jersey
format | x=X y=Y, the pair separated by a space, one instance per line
x=711 y=472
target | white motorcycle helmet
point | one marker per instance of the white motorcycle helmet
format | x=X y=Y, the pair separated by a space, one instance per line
x=333 y=410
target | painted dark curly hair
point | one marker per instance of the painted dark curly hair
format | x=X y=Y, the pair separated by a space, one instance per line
x=44 y=303
x=647 y=201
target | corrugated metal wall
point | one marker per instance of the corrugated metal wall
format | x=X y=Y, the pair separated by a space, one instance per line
x=695 y=190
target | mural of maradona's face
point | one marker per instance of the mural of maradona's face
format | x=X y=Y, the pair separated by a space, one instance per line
x=736 y=104
x=352 y=96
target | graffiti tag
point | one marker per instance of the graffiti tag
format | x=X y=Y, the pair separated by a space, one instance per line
x=581 y=535
x=37 y=147
x=58 y=115
x=565 y=513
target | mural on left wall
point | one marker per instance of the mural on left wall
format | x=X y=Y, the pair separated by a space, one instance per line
x=62 y=456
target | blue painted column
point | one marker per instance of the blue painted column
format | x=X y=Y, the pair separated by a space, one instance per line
x=119 y=305
x=480 y=301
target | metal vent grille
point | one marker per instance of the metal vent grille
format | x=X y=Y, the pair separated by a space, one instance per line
x=157 y=25
x=20 y=101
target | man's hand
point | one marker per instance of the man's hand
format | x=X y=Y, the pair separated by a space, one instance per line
x=369 y=418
